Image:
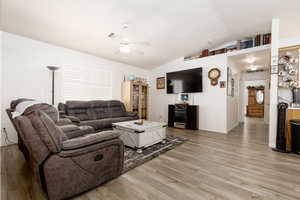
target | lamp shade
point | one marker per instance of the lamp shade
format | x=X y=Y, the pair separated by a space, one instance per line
x=52 y=68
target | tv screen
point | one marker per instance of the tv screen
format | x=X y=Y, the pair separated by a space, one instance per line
x=187 y=81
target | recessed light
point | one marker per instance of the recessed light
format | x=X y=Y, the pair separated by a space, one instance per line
x=250 y=60
x=125 y=48
x=253 y=67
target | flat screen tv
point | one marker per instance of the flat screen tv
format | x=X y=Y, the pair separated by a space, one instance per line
x=186 y=81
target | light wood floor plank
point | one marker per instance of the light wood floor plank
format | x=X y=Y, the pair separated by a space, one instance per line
x=237 y=166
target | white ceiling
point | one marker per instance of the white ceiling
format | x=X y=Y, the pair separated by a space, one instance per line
x=261 y=60
x=174 y=28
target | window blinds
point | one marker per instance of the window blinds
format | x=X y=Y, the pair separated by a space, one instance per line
x=86 y=83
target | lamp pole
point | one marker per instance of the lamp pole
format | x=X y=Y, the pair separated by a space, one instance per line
x=53 y=69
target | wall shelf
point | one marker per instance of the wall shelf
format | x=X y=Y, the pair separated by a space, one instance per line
x=249 y=50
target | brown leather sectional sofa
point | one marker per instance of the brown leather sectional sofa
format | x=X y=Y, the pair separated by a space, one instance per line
x=65 y=162
x=98 y=114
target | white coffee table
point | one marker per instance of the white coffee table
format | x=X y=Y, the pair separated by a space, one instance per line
x=141 y=136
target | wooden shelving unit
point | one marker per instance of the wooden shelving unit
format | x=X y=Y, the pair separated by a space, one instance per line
x=135 y=97
x=284 y=70
x=254 y=109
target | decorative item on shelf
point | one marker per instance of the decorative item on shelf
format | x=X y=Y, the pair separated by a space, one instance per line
x=191 y=57
x=211 y=53
x=222 y=84
x=139 y=80
x=214 y=74
x=184 y=98
x=160 y=83
x=220 y=51
x=288 y=67
x=248 y=43
x=231 y=47
x=205 y=53
x=267 y=38
x=131 y=77
x=257 y=41
x=141 y=122
x=238 y=45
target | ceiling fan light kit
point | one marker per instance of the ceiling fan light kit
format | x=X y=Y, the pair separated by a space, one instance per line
x=125 y=48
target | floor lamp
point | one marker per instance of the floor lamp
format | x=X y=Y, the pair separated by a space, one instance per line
x=53 y=69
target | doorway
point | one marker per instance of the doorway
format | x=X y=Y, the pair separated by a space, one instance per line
x=253 y=72
x=256 y=101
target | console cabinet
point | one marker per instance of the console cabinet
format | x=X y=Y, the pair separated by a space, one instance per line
x=135 y=97
x=185 y=115
x=292 y=114
x=254 y=109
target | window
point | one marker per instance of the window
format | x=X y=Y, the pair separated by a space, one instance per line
x=86 y=83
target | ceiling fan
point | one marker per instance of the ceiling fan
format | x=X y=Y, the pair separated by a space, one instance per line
x=125 y=45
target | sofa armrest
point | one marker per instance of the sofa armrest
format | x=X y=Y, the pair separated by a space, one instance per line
x=63 y=121
x=90 y=139
x=73 y=119
x=62 y=114
x=131 y=114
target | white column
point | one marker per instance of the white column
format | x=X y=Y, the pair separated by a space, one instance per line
x=274 y=83
x=1 y=135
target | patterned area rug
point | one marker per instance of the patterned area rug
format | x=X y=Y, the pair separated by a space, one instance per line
x=133 y=159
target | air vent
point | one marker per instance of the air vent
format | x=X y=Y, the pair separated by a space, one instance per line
x=111 y=35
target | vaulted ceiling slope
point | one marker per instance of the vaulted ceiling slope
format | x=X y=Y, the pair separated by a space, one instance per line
x=174 y=28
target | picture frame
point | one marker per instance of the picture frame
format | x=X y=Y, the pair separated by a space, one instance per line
x=222 y=84
x=160 y=83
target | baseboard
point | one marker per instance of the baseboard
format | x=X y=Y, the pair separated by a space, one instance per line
x=234 y=126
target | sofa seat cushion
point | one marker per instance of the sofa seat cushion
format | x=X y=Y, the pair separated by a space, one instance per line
x=97 y=124
x=69 y=128
x=121 y=119
x=63 y=121
x=82 y=130
x=100 y=124
x=89 y=139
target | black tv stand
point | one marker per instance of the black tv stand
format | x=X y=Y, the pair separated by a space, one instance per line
x=183 y=116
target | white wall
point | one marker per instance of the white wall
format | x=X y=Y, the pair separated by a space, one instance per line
x=212 y=101
x=1 y=135
x=24 y=71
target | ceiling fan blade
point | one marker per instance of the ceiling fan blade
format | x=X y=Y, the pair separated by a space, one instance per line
x=122 y=55
x=137 y=52
x=115 y=36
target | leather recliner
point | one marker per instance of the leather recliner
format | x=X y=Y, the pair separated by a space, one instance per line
x=65 y=167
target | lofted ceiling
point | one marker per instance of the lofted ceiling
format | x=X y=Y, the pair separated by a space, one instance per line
x=174 y=28
x=253 y=61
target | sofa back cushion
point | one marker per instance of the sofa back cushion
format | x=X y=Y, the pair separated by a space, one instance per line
x=100 y=109
x=50 y=110
x=31 y=139
x=117 y=108
x=79 y=109
x=50 y=134
x=47 y=108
